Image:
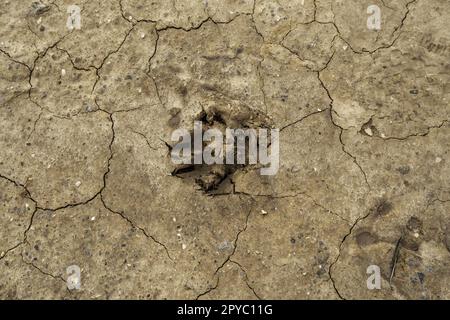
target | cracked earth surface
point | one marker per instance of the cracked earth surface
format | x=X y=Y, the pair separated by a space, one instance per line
x=86 y=179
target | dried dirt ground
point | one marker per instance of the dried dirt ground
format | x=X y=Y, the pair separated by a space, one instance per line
x=85 y=176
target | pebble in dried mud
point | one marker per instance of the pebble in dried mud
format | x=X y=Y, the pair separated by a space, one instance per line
x=38 y=8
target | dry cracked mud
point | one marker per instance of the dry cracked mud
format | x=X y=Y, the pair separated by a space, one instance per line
x=85 y=172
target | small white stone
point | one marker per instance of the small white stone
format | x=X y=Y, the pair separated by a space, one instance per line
x=368 y=131
x=39 y=20
x=78 y=183
x=264 y=212
x=416 y=234
x=63 y=72
x=304 y=273
x=174 y=219
x=130 y=18
x=93 y=218
x=2 y=254
x=383 y=135
x=345 y=47
x=142 y=35
x=183 y=246
x=295 y=169
x=438 y=159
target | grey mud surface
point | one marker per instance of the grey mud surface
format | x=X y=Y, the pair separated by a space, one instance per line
x=86 y=179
